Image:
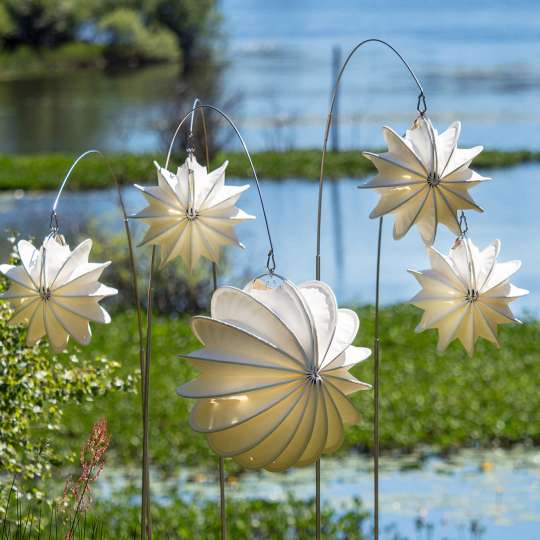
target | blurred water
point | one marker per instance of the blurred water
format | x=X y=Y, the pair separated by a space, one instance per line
x=433 y=499
x=348 y=236
x=479 y=62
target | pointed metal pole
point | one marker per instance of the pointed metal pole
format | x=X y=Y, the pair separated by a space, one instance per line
x=421 y=108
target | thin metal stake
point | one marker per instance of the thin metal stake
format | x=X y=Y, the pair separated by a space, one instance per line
x=421 y=107
x=146 y=400
x=222 y=505
x=318 y=499
x=376 y=393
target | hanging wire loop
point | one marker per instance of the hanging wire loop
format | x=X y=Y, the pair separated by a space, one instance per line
x=198 y=106
x=421 y=107
x=54 y=217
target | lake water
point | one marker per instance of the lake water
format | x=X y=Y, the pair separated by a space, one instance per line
x=348 y=236
x=479 y=62
x=431 y=499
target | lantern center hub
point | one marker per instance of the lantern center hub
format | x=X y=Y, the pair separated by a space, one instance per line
x=313 y=375
x=191 y=214
x=433 y=179
x=45 y=293
x=472 y=296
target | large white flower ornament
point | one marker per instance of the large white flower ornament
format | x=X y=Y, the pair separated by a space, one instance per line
x=274 y=374
x=56 y=291
x=191 y=213
x=466 y=294
x=424 y=178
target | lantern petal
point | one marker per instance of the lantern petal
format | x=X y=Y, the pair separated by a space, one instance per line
x=24 y=310
x=403 y=148
x=347 y=410
x=18 y=275
x=322 y=304
x=336 y=433
x=447 y=145
x=75 y=326
x=287 y=303
x=315 y=446
x=409 y=213
x=243 y=437
x=347 y=326
x=294 y=450
x=274 y=444
x=58 y=337
x=226 y=341
x=36 y=325
x=344 y=381
x=67 y=266
x=218 y=414
x=245 y=311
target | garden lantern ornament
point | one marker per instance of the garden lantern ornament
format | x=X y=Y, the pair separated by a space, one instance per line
x=56 y=291
x=424 y=179
x=466 y=294
x=274 y=373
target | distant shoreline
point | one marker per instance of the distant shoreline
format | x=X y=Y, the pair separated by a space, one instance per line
x=42 y=172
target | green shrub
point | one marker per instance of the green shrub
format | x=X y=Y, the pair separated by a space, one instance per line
x=35 y=387
x=130 y=41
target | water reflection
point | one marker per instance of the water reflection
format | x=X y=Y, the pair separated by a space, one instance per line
x=348 y=236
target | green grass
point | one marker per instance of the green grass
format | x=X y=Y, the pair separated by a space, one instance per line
x=247 y=519
x=45 y=171
x=443 y=400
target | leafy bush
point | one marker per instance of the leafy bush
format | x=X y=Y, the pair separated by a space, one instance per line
x=130 y=41
x=35 y=387
x=38 y=23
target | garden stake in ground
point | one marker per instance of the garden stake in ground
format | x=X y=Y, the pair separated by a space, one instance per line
x=421 y=107
x=191 y=214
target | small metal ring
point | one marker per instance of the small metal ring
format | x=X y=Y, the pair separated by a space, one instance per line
x=421 y=105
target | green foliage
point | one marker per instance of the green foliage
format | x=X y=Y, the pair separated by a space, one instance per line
x=35 y=388
x=125 y=33
x=444 y=400
x=247 y=520
x=192 y=21
x=26 y=62
x=130 y=41
x=37 y=23
x=42 y=171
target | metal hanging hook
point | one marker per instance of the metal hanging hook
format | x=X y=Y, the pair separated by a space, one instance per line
x=270 y=262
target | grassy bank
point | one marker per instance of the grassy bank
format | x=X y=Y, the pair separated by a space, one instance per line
x=45 y=171
x=442 y=400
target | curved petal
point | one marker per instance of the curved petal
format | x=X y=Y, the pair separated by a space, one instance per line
x=243 y=437
x=221 y=413
x=301 y=437
x=287 y=303
x=274 y=444
x=225 y=342
x=322 y=304
x=347 y=325
x=319 y=433
x=245 y=311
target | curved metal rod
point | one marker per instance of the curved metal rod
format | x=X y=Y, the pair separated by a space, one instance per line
x=271 y=262
x=54 y=226
x=421 y=107
x=68 y=174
